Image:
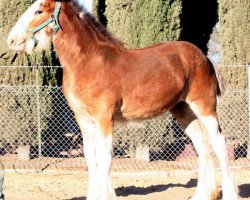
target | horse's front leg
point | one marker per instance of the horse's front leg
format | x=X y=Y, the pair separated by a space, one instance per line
x=98 y=155
x=104 y=160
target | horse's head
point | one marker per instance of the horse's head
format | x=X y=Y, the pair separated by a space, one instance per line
x=35 y=27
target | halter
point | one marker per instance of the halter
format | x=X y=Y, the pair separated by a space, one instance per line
x=53 y=18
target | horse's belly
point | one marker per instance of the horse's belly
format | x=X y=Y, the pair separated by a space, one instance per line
x=151 y=102
x=150 y=98
x=144 y=110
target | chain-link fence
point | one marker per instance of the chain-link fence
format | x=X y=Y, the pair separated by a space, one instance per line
x=38 y=130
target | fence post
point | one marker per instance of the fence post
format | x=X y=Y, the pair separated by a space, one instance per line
x=248 y=94
x=38 y=119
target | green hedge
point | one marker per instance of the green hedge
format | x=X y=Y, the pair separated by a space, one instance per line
x=142 y=23
x=235 y=31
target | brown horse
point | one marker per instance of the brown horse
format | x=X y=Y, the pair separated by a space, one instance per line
x=103 y=81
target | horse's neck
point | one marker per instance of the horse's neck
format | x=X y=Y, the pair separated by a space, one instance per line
x=74 y=41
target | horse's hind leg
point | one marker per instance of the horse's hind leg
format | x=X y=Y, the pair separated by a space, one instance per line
x=206 y=113
x=206 y=186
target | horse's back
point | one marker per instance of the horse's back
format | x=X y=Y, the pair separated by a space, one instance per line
x=176 y=59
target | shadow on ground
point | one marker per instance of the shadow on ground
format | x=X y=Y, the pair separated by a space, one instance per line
x=244 y=190
x=132 y=190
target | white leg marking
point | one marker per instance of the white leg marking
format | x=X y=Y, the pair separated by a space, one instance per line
x=89 y=130
x=104 y=160
x=98 y=155
x=206 y=186
x=89 y=154
x=219 y=146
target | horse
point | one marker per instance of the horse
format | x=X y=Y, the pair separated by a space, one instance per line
x=104 y=82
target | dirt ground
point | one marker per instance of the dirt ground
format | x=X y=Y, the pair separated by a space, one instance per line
x=175 y=185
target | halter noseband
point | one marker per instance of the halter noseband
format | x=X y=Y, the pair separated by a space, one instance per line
x=53 y=18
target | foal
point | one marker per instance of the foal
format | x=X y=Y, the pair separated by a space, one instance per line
x=104 y=81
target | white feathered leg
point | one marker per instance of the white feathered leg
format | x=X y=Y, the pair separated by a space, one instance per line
x=206 y=187
x=219 y=146
x=98 y=156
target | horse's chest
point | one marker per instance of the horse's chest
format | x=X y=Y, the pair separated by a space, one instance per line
x=76 y=104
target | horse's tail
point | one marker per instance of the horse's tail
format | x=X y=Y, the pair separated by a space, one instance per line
x=220 y=80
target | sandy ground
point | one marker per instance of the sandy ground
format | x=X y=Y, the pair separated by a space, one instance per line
x=175 y=185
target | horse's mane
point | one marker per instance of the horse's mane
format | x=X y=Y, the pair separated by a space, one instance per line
x=91 y=20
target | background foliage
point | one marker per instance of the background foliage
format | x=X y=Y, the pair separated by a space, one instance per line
x=235 y=31
x=144 y=22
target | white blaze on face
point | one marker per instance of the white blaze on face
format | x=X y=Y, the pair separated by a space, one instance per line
x=18 y=39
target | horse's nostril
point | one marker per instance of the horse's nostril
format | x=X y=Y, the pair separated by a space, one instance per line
x=11 y=42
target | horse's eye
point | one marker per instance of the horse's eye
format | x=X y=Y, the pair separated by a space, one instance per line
x=38 y=12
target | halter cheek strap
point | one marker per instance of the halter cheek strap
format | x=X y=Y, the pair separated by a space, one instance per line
x=53 y=18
